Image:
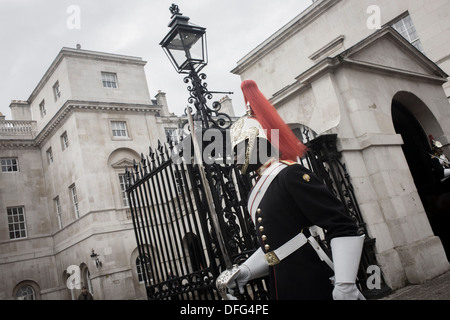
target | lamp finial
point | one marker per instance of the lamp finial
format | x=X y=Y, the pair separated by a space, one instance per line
x=174 y=9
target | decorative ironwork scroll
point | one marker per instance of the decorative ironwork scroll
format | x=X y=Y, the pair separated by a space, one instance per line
x=199 y=96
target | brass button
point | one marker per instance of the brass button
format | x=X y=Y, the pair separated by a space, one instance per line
x=259 y=220
x=264 y=237
x=261 y=228
x=258 y=210
x=267 y=247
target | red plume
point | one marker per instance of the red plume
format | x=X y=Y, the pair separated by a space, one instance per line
x=290 y=146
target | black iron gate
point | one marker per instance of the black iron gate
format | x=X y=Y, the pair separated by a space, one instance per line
x=178 y=243
x=174 y=230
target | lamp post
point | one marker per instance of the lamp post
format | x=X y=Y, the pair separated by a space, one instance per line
x=95 y=258
x=185 y=46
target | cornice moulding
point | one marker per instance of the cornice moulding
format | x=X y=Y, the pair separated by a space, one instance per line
x=71 y=106
x=284 y=34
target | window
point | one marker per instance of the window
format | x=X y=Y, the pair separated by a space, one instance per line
x=143 y=266
x=57 y=91
x=26 y=293
x=42 y=109
x=119 y=129
x=58 y=211
x=10 y=165
x=49 y=156
x=123 y=188
x=16 y=223
x=109 y=80
x=407 y=29
x=74 y=196
x=172 y=135
x=64 y=141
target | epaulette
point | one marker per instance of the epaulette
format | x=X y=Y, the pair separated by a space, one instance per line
x=288 y=162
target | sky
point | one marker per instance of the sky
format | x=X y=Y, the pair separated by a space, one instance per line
x=32 y=33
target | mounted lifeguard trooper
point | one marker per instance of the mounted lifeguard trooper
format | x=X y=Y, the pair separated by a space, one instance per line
x=285 y=202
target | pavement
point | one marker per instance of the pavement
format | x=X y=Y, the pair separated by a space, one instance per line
x=434 y=289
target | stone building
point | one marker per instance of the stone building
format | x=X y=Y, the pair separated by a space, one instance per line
x=64 y=217
x=375 y=75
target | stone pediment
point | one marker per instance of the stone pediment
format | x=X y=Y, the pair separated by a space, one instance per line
x=388 y=50
x=123 y=163
x=384 y=51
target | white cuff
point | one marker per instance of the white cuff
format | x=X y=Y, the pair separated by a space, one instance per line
x=346 y=256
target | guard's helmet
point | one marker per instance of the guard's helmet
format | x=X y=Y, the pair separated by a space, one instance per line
x=244 y=136
x=259 y=123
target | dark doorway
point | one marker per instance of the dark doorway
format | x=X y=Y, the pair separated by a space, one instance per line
x=195 y=250
x=435 y=195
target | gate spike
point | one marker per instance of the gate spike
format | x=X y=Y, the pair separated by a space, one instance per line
x=136 y=169
x=168 y=139
x=161 y=152
x=127 y=178
x=144 y=163
x=150 y=167
x=166 y=150
x=171 y=146
x=152 y=156
x=151 y=153
x=160 y=147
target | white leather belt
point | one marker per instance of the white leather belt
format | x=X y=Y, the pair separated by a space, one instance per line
x=276 y=256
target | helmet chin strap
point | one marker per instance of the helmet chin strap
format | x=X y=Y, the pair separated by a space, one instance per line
x=253 y=167
x=253 y=160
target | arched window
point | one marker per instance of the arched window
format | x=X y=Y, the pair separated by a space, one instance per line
x=142 y=267
x=118 y=160
x=26 y=292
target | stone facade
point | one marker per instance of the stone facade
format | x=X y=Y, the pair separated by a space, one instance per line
x=90 y=116
x=329 y=71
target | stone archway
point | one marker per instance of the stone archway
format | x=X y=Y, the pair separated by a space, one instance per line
x=414 y=121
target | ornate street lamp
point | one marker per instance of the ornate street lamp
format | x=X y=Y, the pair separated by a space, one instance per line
x=185 y=46
x=95 y=259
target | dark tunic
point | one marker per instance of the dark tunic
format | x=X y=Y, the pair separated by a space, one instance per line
x=295 y=200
